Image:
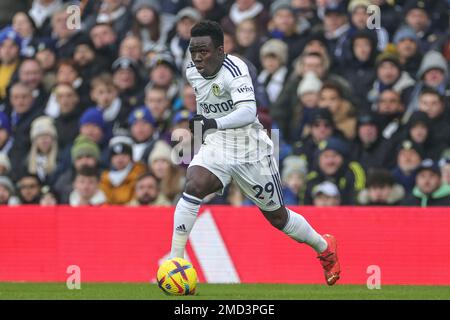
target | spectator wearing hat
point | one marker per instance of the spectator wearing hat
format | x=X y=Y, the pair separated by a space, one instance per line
x=45 y=53
x=407 y=44
x=444 y=164
x=332 y=98
x=433 y=73
x=127 y=79
x=22 y=115
x=9 y=58
x=293 y=179
x=368 y=145
x=284 y=26
x=150 y=25
x=359 y=19
x=6 y=139
x=336 y=27
x=333 y=165
x=42 y=160
x=179 y=42
x=326 y=194
x=241 y=10
x=142 y=130
x=93 y=126
x=24 y=25
x=119 y=181
x=163 y=73
x=421 y=15
x=148 y=192
x=70 y=112
x=86 y=191
x=320 y=128
x=273 y=57
x=29 y=189
x=359 y=68
x=408 y=158
x=390 y=76
x=171 y=176
x=7 y=197
x=83 y=153
x=308 y=98
x=381 y=189
x=433 y=104
x=429 y=191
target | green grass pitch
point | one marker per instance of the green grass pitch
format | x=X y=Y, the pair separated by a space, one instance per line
x=126 y=291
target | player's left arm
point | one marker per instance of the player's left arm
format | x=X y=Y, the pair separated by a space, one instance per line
x=243 y=96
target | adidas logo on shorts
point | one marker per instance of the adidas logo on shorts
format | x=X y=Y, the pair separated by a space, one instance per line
x=271 y=203
x=181 y=228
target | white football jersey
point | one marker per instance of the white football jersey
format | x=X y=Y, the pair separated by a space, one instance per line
x=220 y=95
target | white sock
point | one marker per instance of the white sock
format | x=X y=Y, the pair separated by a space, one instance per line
x=300 y=230
x=184 y=218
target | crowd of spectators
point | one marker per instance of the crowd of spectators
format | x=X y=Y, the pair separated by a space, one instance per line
x=357 y=89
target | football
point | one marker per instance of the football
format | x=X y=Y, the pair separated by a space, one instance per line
x=177 y=277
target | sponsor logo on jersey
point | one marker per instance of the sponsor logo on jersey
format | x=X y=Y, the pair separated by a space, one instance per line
x=217 y=107
x=244 y=89
x=215 y=90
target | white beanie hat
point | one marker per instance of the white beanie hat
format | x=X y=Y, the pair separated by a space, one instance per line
x=7 y=183
x=293 y=164
x=161 y=150
x=275 y=47
x=309 y=83
x=42 y=125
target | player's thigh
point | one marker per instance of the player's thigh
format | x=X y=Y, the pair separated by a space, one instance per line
x=260 y=182
x=206 y=175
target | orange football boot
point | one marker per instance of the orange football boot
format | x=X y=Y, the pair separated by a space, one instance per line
x=329 y=260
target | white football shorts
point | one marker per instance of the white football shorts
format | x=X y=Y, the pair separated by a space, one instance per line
x=258 y=180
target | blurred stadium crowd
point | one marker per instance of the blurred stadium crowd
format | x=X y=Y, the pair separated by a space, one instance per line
x=87 y=112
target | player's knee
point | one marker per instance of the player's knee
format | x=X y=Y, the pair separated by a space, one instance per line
x=195 y=188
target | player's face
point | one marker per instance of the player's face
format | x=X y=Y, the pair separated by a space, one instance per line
x=206 y=57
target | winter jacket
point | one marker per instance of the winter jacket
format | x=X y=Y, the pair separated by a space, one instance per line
x=350 y=180
x=394 y=199
x=124 y=192
x=441 y=197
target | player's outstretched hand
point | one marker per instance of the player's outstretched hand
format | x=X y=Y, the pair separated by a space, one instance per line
x=205 y=123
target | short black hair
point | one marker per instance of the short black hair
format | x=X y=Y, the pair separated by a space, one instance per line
x=379 y=177
x=211 y=29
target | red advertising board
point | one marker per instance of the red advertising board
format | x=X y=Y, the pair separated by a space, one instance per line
x=228 y=244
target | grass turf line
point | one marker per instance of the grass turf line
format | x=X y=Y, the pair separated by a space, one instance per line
x=126 y=291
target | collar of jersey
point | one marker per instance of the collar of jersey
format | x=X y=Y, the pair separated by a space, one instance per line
x=215 y=75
